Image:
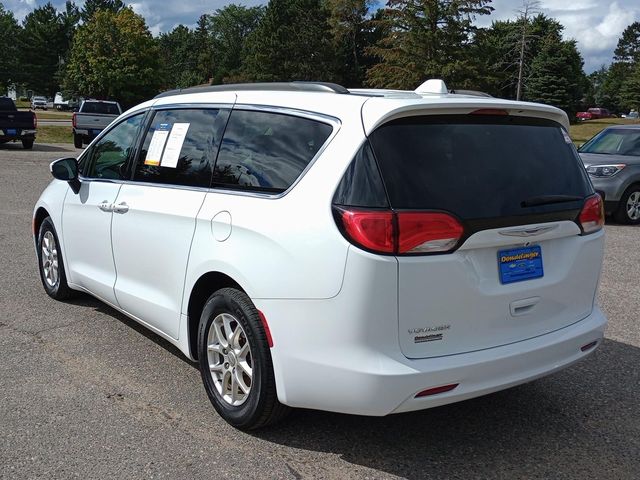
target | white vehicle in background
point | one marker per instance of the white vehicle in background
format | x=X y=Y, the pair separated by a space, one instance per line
x=358 y=251
x=59 y=103
x=38 y=102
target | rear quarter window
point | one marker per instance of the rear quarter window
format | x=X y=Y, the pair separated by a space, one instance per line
x=266 y=151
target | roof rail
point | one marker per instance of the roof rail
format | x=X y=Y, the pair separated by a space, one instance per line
x=267 y=86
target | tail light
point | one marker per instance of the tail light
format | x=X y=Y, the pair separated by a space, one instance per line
x=389 y=232
x=592 y=215
x=73 y=120
x=35 y=121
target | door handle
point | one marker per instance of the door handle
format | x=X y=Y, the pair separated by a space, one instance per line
x=106 y=206
x=121 y=208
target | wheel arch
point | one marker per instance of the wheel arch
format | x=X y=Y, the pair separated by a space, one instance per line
x=38 y=217
x=202 y=289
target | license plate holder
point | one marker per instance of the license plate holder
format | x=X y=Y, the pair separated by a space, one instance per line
x=519 y=264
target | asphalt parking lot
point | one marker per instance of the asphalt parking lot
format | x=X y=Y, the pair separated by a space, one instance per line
x=87 y=393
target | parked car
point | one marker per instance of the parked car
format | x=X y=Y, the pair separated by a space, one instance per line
x=16 y=126
x=357 y=251
x=632 y=115
x=593 y=113
x=612 y=159
x=91 y=119
x=38 y=102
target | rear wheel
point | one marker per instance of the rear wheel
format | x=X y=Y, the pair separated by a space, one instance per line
x=235 y=362
x=77 y=141
x=52 y=273
x=629 y=207
x=27 y=144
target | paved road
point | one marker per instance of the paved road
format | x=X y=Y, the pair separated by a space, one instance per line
x=85 y=392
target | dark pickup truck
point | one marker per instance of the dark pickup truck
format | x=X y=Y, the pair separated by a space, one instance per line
x=16 y=126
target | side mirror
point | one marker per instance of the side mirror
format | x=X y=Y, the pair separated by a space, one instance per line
x=66 y=169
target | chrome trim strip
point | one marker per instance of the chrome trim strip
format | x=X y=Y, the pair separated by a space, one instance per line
x=527 y=232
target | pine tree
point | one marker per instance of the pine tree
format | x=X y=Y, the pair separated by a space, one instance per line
x=630 y=91
x=349 y=24
x=92 y=6
x=43 y=47
x=628 y=48
x=9 y=31
x=557 y=77
x=426 y=39
x=292 y=42
x=230 y=27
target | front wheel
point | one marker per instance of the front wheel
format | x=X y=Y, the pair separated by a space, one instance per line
x=629 y=207
x=52 y=273
x=235 y=362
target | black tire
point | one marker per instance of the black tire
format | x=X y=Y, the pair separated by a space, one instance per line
x=27 y=144
x=261 y=406
x=77 y=141
x=59 y=289
x=621 y=214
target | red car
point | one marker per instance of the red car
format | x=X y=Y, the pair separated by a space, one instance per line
x=593 y=113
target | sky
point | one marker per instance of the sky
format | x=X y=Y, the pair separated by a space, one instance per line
x=595 y=24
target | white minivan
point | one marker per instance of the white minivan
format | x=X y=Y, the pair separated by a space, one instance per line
x=358 y=251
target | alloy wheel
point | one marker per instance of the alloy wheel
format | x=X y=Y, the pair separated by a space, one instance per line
x=633 y=206
x=50 y=267
x=230 y=361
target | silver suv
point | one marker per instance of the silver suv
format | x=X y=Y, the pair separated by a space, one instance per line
x=612 y=159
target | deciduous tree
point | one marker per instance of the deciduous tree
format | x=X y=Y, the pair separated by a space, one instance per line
x=114 y=56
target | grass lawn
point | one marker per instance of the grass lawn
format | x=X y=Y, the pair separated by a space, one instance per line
x=53 y=115
x=583 y=131
x=54 y=134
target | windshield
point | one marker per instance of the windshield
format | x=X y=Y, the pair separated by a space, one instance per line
x=479 y=166
x=614 y=141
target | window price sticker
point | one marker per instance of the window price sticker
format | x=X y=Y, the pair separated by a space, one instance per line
x=156 y=147
x=174 y=145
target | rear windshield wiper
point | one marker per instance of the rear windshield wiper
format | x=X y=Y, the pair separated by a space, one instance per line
x=549 y=199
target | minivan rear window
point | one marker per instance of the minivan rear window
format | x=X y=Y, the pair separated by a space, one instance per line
x=479 y=166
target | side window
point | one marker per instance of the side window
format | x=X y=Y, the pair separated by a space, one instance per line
x=265 y=151
x=111 y=152
x=180 y=147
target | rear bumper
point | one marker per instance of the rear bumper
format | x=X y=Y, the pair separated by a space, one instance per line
x=325 y=375
x=25 y=135
x=87 y=134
